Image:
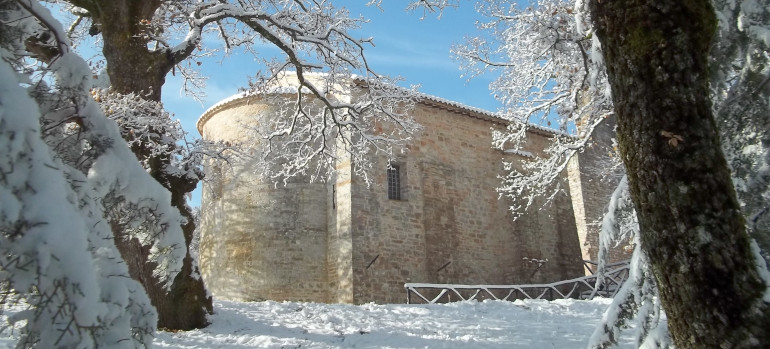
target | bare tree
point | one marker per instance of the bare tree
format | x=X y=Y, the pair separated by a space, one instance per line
x=691 y=225
x=537 y=51
x=145 y=40
x=546 y=77
x=63 y=282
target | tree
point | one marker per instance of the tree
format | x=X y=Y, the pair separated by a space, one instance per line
x=73 y=188
x=63 y=282
x=145 y=40
x=550 y=73
x=638 y=300
x=691 y=226
x=546 y=77
x=739 y=82
x=542 y=40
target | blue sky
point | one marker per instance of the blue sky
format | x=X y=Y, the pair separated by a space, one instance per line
x=409 y=45
x=405 y=45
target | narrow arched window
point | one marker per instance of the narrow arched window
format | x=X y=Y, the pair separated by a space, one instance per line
x=394 y=182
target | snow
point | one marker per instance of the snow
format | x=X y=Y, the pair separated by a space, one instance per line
x=488 y=324
x=762 y=269
x=36 y=194
x=523 y=153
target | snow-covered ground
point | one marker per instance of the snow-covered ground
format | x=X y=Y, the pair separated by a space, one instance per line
x=489 y=324
x=560 y=324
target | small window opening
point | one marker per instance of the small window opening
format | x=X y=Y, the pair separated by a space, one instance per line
x=394 y=182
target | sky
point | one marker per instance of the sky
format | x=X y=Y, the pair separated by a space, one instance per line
x=407 y=46
x=412 y=45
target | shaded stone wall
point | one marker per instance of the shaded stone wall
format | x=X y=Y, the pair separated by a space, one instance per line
x=450 y=226
x=592 y=182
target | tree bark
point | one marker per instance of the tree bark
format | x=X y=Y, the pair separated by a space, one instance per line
x=133 y=68
x=656 y=52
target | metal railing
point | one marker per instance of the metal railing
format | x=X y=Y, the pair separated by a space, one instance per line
x=582 y=287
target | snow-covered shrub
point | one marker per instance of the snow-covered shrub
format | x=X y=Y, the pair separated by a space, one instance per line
x=61 y=161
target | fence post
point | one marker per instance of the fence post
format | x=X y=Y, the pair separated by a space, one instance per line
x=408 y=296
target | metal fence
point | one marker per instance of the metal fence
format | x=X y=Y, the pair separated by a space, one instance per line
x=582 y=288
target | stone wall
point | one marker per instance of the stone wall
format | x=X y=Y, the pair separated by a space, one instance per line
x=592 y=180
x=258 y=240
x=339 y=241
x=344 y=241
x=450 y=226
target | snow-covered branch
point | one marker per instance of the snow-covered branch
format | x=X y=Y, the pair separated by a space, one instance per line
x=741 y=101
x=305 y=135
x=428 y=6
x=540 y=177
x=310 y=37
x=741 y=96
x=544 y=73
x=62 y=162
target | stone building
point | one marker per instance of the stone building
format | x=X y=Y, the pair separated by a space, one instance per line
x=431 y=215
x=592 y=178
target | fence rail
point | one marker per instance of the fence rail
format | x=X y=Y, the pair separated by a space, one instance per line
x=582 y=287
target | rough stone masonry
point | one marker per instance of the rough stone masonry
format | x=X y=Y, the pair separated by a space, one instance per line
x=344 y=241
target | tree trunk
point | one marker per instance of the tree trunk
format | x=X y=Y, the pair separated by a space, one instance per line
x=133 y=68
x=656 y=52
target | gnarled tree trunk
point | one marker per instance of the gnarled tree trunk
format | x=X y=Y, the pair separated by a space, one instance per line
x=133 y=68
x=656 y=52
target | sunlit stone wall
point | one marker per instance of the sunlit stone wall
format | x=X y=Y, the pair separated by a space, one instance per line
x=258 y=240
x=344 y=241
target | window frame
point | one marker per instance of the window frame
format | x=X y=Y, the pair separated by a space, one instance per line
x=394 y=182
